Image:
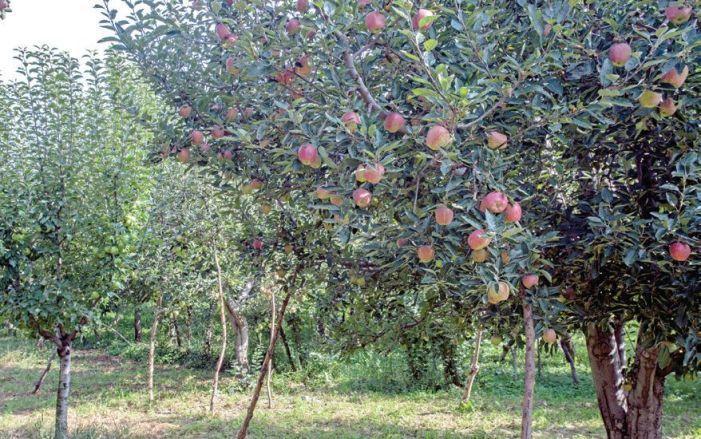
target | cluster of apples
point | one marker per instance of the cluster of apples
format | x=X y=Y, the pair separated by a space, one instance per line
x=619 y=54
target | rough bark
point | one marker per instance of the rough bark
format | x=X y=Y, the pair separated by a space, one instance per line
x=240 y=325
x=568 y=351
x=644 y=416
x=529 y=375
x=176 y=331
x=608 y=379
x=137 y=324
x=45 y=372
x=152 y=346
x=288 y=351
x=63 y=391
x=289 y=291
x=222 y=353
x=474 y=368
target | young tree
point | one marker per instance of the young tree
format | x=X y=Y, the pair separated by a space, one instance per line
x=71 y=166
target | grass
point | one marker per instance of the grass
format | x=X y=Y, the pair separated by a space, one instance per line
x=363 y=397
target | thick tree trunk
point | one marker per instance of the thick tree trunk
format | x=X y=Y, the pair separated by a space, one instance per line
x=137 y=324
x=288 y=352
x=474 y=368
x=45 y=372
x=529 y=375
x=222 y=353
x=608 y=379
x=272 y=334
x=644 y=415
x=240 y=324
x=289 y=290
x=152 y=347
x=568 y=351
x=64 y=388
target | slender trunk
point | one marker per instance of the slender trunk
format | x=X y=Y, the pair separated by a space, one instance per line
x=222 y=353
x=608 y=379
x=188 y=327
x=288 y=352
x=474 y=368
x=568 y=351
x=152 y=347
x=176 y=331
x=137 y=324
x=529 y=375
x=268 y=355
x=272 y=334
x=42 y=377
x=64 y=388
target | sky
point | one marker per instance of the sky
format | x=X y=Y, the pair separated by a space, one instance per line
x=71 y=25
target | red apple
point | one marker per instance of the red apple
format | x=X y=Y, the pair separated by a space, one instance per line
x=375 y=21
x=529 y=280
x=362 y=197
x=444 y=215
x=416 y=21
x=495 y=296
x=230 y=41
x=197 y=137
x=302 y=6
x=255 y=184
x=222 y=31
x=619 y=54
x=496 y=140
x=185 y=111
x=401 y=242
x=257 y=244
x=512 y=214
x=394 y=122
x=495 y=202
x=351 y=120
x=438 y=137
x=231 y=114
x=228 y=154
x=184 y=155
x=218 y=132
x=679 y=251
x=230 y=67
x=374 y=174
x=307 y=154
x=667 y=107
x=477 y=240
x=363 y=3
x=292 y=26
x=322 y=193
x=678 y=14
x=425 y=253
x=336 y=200
x=674 y=78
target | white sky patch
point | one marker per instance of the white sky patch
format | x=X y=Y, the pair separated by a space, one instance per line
x=70 y=25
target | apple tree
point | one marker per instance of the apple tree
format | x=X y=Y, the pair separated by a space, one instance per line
x=492 y=156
